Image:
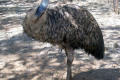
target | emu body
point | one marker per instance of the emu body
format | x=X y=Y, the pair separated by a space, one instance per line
x=70 y=27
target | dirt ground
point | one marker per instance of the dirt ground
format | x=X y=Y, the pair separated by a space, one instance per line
x=23 y=58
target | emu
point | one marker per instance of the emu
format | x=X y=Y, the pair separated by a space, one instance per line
x=68 y=26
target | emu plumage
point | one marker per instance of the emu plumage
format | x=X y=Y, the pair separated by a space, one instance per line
x=70 y=27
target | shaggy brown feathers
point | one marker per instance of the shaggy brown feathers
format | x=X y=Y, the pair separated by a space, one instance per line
x=69 y=25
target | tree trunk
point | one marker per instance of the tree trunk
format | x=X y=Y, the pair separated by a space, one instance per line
x=117 y=10
x=113 y=5
x=108 y=1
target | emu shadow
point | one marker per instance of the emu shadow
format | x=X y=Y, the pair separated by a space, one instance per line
x=99 y=74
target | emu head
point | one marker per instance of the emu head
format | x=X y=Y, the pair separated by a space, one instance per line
x=36 y=16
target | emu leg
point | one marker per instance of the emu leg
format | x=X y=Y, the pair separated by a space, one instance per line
x=69 y=53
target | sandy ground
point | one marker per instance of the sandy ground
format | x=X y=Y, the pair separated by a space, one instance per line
x=23 y=58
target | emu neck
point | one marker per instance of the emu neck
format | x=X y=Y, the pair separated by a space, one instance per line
x=39 y=24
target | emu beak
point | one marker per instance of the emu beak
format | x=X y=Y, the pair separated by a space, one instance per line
x=42 y=8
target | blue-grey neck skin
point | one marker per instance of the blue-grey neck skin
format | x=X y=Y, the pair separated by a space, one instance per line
x=42 y=7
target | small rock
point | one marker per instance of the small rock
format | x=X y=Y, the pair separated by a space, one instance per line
x=2 y=65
